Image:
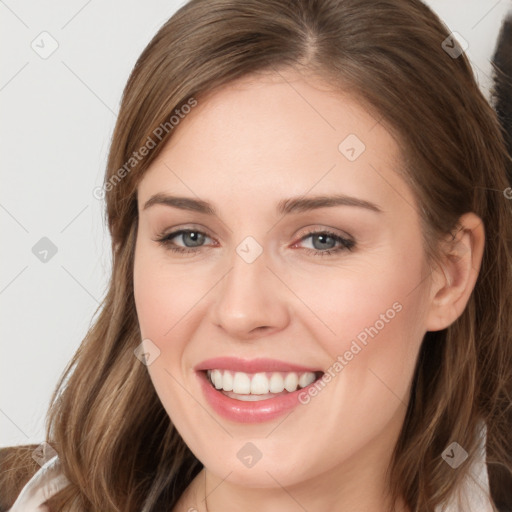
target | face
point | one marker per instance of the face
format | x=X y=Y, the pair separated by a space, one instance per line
x=336 y=287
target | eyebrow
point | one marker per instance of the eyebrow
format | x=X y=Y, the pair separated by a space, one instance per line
x=284 y=207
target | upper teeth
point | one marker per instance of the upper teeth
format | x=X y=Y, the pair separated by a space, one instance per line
x=259 y=383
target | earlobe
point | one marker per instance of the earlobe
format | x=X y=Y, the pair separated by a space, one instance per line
x=454 y=278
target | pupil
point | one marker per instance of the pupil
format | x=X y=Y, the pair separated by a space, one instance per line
x=194 y=234
x=323 y=237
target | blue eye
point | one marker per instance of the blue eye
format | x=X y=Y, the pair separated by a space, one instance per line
x=323 y=236
x=197 y=237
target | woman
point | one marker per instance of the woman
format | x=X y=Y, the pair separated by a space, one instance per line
x=230 y=368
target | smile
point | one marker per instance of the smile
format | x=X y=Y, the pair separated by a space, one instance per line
x=259 y=386
x=250 y=391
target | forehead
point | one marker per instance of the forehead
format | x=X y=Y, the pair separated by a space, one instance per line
x=277 y=135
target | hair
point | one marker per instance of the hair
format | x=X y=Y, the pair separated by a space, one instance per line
x=501 y=92
x=117 y=445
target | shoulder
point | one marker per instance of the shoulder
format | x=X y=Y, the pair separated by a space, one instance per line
x=17 y=466
x=24 y=483
x=473 y=495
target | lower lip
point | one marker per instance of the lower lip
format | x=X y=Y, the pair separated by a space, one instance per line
x=249 y=412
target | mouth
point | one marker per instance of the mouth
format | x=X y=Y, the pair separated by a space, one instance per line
x=252 y=387
x=253 y=391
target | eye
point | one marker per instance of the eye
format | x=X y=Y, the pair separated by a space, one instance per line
x=194 y=239
x=327 y=242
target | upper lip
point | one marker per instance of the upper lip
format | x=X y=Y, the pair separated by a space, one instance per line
x=252 y=365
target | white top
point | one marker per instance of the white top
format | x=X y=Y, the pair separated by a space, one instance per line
x=45 y=483
x=473 y=495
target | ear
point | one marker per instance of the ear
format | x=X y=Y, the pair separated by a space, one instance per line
x=455 y=276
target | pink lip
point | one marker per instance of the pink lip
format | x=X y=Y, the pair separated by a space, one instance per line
x=248 y=412
x=251 y=366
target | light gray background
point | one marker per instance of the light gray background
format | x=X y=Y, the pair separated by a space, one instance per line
x=58 y=115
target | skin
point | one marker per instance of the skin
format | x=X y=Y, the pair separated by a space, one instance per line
x=244 y=148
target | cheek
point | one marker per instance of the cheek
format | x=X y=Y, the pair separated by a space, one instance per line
x=366 y=300
x=163 y=296
x=372 y=324
x=162 y=300
x=149 y=299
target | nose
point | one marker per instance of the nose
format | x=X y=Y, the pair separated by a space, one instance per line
x=250 y=300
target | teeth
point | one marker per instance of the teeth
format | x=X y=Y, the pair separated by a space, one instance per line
x=276 y=384
x=305 y=379
x=227 y=381
x=241 y=383
x=291 y=382
x=259 y=383
x=216 y=378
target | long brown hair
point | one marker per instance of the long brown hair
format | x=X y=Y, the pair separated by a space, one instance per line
x=116 y=443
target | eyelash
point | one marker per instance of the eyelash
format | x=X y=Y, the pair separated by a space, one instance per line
x=347 y=244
